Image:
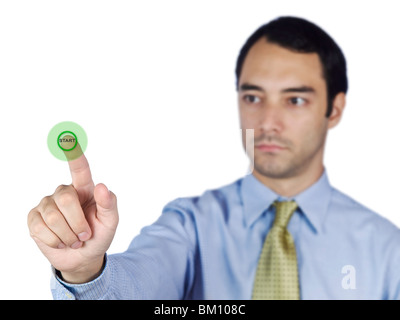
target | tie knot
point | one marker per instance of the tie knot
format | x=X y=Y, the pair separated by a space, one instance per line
x=284 y=211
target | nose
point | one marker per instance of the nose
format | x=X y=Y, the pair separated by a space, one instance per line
x=271 y=119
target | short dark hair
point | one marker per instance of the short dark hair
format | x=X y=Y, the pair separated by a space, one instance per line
x=300 y=35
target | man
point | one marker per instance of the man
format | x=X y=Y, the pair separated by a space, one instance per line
x=281 y=232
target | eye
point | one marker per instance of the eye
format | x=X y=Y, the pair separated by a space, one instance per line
x=297 y=101
x=252 y=99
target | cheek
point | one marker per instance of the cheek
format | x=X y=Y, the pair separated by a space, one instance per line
x=311 y=135
x=246 y=122
x=249 y=116
x=250 y=120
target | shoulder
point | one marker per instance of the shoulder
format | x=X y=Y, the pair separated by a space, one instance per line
x=371 y=236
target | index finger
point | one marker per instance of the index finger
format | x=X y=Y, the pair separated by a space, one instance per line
x=78 y=164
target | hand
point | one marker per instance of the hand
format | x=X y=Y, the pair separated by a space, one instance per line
x=75 y=226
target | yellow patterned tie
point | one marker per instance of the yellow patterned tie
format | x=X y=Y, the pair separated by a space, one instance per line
x=276 y=276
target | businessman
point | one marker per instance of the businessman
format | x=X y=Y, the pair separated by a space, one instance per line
x=281 y=232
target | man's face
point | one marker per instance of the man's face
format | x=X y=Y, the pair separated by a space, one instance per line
x=283 y=97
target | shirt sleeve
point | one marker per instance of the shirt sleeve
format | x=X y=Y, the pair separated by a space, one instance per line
x=159 y=263
x=96 y=289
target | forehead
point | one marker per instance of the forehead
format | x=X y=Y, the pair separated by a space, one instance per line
x=269 y=62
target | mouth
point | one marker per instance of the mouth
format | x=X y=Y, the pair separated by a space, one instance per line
x=264 y=147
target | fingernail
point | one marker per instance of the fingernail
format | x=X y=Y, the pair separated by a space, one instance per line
x=83 y=236
x=61 y=246
x=76 y=245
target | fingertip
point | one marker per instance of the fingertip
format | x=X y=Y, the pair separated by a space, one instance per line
x=77 y=245
x=105 y=198
x=71 y=147
x=61 y=246
x=84 y=236
x=101 y=191
x=101 y=186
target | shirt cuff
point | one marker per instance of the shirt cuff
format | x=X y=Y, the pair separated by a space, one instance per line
x=93 y=290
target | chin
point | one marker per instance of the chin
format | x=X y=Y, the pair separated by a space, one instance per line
x=274 y=171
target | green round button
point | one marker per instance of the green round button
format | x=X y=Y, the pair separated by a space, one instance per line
x=67 y=140
x=62 y=139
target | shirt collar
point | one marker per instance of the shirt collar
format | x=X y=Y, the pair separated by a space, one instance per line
x=256 y=198
x=313 y=202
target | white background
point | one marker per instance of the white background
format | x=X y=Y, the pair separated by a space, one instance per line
x=152 y=84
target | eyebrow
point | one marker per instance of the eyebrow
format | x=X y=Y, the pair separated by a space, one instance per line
x=306 y=89
x=246 y=86
x=299 y=89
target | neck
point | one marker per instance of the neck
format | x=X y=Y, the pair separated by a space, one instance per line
x=291 y=186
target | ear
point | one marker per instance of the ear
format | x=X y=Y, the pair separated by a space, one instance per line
x=337 y=109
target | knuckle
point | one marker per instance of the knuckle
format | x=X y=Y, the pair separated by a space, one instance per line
x=61 y=187
x=53 y=242
x=36 y=229
x=31 y=216
x=65 y=198
x=35 y=225
x=45 y=202
x=52 y=218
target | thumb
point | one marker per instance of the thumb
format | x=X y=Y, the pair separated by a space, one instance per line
x=106 y=203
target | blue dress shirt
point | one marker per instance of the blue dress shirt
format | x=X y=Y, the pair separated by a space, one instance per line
x=207 y=247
